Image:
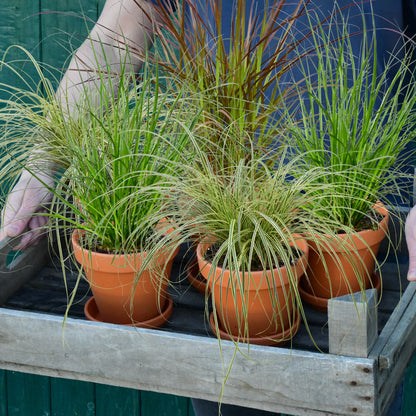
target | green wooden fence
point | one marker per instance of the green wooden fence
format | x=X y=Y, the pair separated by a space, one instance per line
x=31 y=395
x=49 y=30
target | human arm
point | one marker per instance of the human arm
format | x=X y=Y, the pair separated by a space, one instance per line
x=121 y=22
x=410 y=231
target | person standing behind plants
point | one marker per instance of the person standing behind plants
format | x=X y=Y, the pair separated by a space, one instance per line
x=133 y=22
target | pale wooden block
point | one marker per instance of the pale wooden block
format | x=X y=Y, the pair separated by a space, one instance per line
x=352 y=323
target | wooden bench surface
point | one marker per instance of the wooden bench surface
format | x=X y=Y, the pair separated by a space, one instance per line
x=184 y=358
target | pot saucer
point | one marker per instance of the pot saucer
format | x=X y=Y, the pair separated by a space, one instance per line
x=273 y=340
x=195 y=278
x=92 y=313
x=321 y=304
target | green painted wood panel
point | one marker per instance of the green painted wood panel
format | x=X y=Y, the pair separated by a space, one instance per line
x=27 y=395
x=3 y=395
x=64 y=25
x=72 y=398
x=409 y=390
x=19 y=22
x=163 y=404
x=111 y=400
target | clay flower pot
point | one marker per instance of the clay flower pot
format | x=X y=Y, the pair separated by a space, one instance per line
x=345 y=264
x=270 y=316
x=117 y=298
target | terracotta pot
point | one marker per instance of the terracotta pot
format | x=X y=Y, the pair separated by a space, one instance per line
x=268 y=298
x=345 y=264
x=112 y=283
x=195 y=278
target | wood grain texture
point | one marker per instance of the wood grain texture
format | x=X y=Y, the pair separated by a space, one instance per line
x=171 y=363
x=69 y=397
x=397 y=330
x=27 y=395
x=19 y=22
x=352 y=322
x=24 y=267
x=114 y=400
x=395 y=348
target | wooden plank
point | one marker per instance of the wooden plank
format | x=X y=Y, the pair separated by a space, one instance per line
x=163 y=404
x=352 y=322
x=3 y=394
x=113 y=400
x=409 y=390
x=396 y=348
x=405 y=332
x=400 y=328
x=19 y=22
x=69 y=397
x=27 y=394
x=64 y=26
x=22 y=268
x=389 y=380
x=162 y=362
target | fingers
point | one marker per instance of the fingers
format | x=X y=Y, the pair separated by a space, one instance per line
x=410 y=231
x=23 y=206
x=37 y=230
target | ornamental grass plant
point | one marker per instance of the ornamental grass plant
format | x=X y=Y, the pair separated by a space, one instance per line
x=251 y=219
x=115 y=159
x=354 y=122
x=237 y=76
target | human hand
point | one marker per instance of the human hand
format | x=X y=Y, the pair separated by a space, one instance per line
x=410 y=231
x=24 y=208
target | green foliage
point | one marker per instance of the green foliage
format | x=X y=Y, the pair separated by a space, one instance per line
x=236 y=78
x=132 y=149
x=353 y=122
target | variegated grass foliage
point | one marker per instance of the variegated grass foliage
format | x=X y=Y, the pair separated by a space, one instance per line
x=236 y=76
x=354 y=121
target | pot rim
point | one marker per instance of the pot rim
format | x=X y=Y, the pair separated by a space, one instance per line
x=258 y=275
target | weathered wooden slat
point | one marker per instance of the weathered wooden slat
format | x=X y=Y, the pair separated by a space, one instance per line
x=387 y=381
x=111 y=400
x=24 y=267
x=405 y=331
x=352 y=322
x=27 y=394
x=385 y=350
x=171 y=363
x=69 y=397
x=395 y=348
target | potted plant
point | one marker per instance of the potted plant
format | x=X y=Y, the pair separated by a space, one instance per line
x=356 y=125
x=235 y=67
x=119 y=160
x=120 y=179
x=251 y=251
